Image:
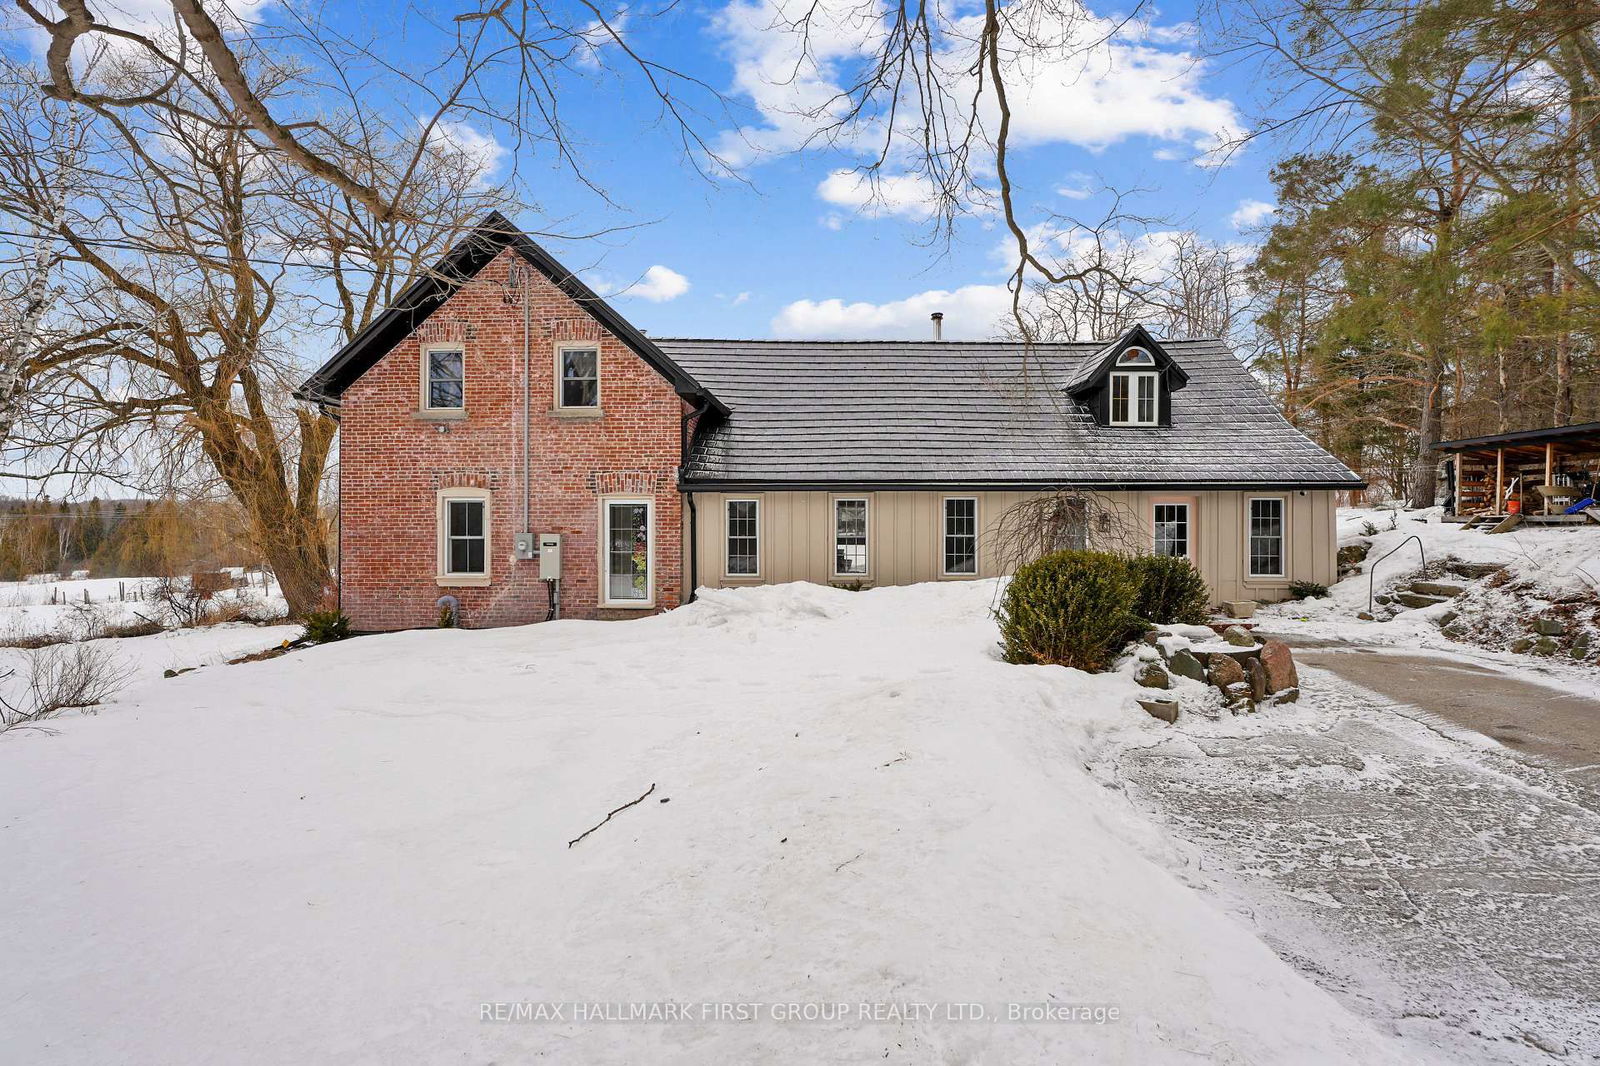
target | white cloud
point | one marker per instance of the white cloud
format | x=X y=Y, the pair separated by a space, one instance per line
x=1099 y=83
x=481 y=151
x=596 y=36
x=899 y=195
x=972 y=312
x=792 y=80
x=658 y=285
x=1251 y=213
x=1078 y=186
x=743 y=297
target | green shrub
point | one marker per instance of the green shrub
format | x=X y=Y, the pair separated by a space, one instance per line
x=323 y=626
x=1170 y=590
x=1303 y=590
x=1071 y=608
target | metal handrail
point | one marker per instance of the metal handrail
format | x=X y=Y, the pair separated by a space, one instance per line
x=1372 y=571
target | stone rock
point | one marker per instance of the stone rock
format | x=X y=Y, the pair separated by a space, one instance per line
x=1383 y=598
x=1438 y=588
x=1239 y=637
x=1223 y=671
x=1474 y=570
x=1546 y=646
x=1521 y=644
x=1239 y=700
x=1256 y=674
x=1278 y=663
x=1288 y=695
x=1417 y=599
x=1164 y=709
x=1353 y=555
x=1365 y=616
x=1580 y=651
x=1549 y=627
x=1184 y=664
x=1153 y=675
x=1445 y=619
x=1238 y=608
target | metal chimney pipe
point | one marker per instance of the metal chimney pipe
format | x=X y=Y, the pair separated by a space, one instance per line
x=938 y=325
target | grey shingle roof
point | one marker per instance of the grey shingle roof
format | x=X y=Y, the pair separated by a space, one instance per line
x=897 y=412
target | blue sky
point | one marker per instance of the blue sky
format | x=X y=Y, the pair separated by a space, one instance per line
x=787 y=249
x=765 y=255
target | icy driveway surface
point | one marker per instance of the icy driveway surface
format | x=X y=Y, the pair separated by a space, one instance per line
x=1445 y=889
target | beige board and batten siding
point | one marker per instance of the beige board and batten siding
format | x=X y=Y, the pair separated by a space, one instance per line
x=905 y=542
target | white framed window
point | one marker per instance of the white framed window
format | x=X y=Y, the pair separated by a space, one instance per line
x=627 y=547
x=960 y=542
x=850 y=536
x=744 y=538
x=1266 y=536
x=1172 y=529
x=578 y=376
x=1135 y=398
x=1136 y=357
x=444 y=383
x=464 y=524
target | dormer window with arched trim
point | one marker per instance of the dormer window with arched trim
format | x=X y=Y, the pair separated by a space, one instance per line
x=1129 y=382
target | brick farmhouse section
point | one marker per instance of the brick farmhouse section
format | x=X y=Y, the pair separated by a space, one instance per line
x=395 y=459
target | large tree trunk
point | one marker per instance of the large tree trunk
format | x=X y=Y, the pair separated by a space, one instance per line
x=1425 y=468
x=35 y=297
x=286 y=520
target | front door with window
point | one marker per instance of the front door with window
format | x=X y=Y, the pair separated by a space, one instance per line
x=626 y=544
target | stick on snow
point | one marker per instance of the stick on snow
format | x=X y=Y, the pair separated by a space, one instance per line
x=613 y=814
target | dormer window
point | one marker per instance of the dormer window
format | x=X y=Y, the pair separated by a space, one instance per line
x=1129 y=382
x=1135 y=397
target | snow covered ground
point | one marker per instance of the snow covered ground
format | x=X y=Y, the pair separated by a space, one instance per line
x=75 y=609
x=859 y=819
x=1434 y=881
x=1553 y=570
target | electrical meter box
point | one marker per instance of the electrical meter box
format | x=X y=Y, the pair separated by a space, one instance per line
x=525 y=546
x=550 y=556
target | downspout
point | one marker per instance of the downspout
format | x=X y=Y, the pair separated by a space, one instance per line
x=688 y=495
x=338 y=543
x=527 y=401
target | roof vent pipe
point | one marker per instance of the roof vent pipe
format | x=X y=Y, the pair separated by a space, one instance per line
x=938 y=325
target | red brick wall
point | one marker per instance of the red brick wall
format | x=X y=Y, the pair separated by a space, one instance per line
x=393 y=462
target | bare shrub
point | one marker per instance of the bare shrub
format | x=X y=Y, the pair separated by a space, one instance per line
x=187 y=603
x=1065 y=520
x=61 y=678
x=144 y=627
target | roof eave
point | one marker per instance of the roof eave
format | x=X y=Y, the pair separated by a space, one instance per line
x=427 y=292
x=695 y=484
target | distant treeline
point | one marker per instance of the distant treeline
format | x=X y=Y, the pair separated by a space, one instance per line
x=120 y=538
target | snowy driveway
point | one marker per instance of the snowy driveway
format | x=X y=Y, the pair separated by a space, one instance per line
x=1429 y=881
x=1561 y=728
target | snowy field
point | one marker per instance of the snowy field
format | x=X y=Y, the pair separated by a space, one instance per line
x=45 y=605
x=81 y=613
x=355 y=852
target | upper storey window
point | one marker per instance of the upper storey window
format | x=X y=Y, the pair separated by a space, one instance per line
x=444 y=379
x=1135 y=397
x=1129 y=382
x=579 y=385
